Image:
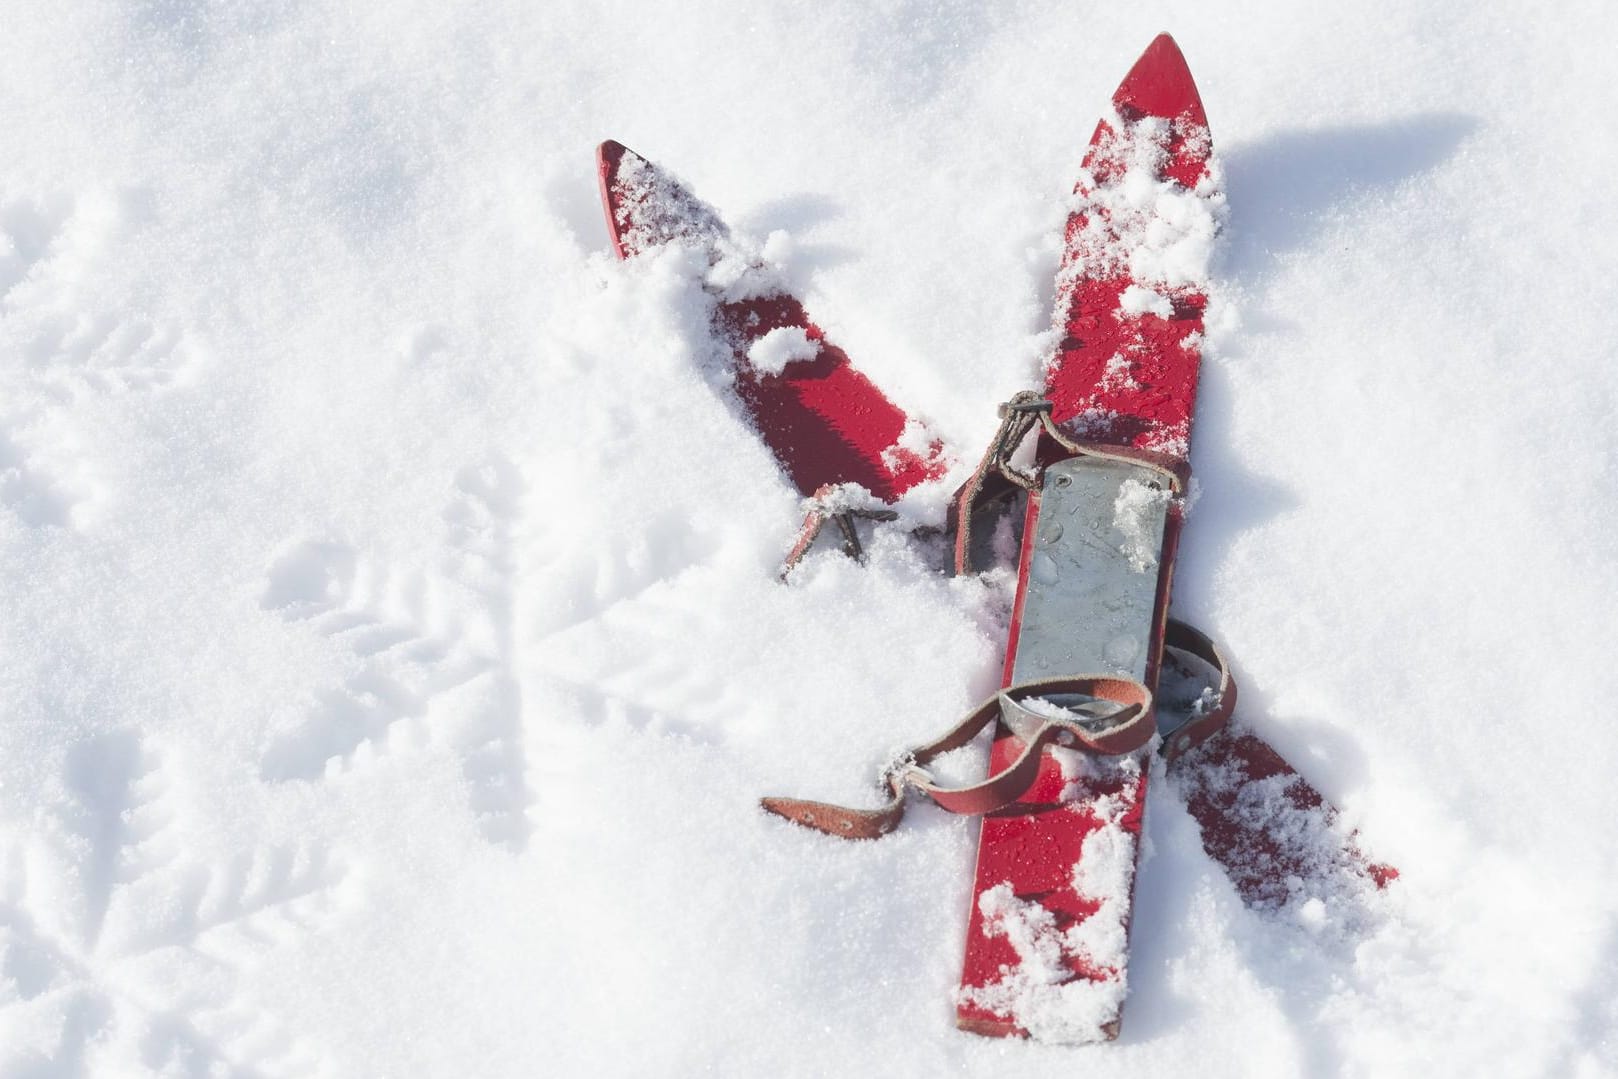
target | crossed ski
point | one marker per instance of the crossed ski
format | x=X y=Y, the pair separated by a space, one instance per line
x=1050 y=916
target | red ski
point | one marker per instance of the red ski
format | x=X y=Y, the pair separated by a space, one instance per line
x=1125 y=373
x=1050 y=915
x=1047 y=936
x=826 y=422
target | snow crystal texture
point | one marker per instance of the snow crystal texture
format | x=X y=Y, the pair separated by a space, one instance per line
x=392 y=651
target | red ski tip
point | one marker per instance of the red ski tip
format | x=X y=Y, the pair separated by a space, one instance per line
x=609 y=158
x=1160 y=84
x=609 y=153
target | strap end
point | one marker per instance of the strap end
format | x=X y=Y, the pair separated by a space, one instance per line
x=834 y=820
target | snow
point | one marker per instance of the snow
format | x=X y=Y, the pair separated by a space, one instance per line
x=1137 y=300
x=771 y=353
x=1040 y=992
x=845 y=498
x=393 y=656
x=1155 y=230
x=914 y=441
x=1039 y=706
x=1137 y=513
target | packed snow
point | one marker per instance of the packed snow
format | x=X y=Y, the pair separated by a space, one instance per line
x=393 y=650
x=1136 y=222
x=771 y=353
x=1138 y=300
x=1137 y=513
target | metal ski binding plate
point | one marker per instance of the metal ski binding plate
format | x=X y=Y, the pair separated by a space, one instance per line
x=1093 y=571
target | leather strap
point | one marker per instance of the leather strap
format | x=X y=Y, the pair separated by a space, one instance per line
x=1128 y=728
x=1131 y=726
x=1202 y=724
x=995 y=477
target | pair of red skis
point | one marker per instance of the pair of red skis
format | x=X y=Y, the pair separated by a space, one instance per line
x=1069 y=763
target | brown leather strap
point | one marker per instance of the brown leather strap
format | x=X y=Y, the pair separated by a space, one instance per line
x=994 y=477
x=1202 y=724
x=1127 y=729
x=1124 y=730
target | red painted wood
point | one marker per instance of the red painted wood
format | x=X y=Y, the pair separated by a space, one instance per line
x=1130 y=380
x=1147 y=401
x=825 y=421
x=1127 y=380
x=1274 y=833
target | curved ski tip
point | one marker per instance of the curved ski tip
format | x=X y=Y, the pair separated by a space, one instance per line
x=609 y=158
x=612 y=151
x=1160 y=84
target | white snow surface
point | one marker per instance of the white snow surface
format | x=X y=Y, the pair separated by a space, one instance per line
x=1137 y=512
x=1158 y=231
x=393 y=655
x=771 y=353
x=1144 y=301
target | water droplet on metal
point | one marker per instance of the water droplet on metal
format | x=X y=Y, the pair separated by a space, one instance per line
x=1121 y=650
x=1043 y=568
x=1051 y=532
